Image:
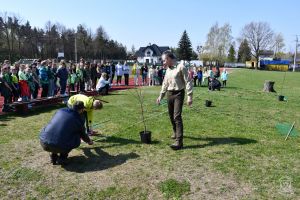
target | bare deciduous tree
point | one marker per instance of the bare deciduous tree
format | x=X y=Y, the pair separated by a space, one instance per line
x=278 y=43
x=218 y=42
x=260 y=37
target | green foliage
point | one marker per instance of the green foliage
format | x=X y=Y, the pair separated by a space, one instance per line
x=184 y=50
x=174 y=189
x=244 y=53
x=231 y=54
x=19 y=40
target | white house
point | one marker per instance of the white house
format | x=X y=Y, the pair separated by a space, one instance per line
x=150 y=54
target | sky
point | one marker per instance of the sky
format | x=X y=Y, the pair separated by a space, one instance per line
x=140 y=22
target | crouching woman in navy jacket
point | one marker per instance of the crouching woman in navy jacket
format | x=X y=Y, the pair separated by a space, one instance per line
x=63 y=133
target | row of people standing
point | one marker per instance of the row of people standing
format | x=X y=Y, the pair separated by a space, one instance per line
x=203 y=75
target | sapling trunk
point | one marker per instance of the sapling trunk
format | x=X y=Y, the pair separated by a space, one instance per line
x=141 y=101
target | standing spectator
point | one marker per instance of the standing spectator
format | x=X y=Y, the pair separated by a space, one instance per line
x=175 y=82
x=144 y=71
x=98 y=74
x=30 y=80
x=199 y=76
x=15 y=83
x=205 y=76
x=87 y=77
x=51 y=77
x=160 y=75
x=151 y=76
x=126 y=73
x=108 y=70
x=6 y=90
x=72 y=79
x=195 y=76
x=44 y=79
x=113 y=71
x=94 y=75
x=36 y=81
x=217 y=73
x=136 y=73
x=62 y=74
x=79 y=72
x=224 y=77
x=23 y=83
x=119 y=73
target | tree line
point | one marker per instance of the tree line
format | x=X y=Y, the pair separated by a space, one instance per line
x=220 y=47
x=21 y=40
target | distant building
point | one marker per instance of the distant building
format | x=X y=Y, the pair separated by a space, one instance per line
x=150 y=54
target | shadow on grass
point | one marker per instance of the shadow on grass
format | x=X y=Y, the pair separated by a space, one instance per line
x=113 y=141
x=96 y=161
x=35 y=111
x=219 y=141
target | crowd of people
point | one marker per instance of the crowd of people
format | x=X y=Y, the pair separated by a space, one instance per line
x=20 y=82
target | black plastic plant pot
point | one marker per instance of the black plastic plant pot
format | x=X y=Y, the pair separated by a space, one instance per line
x=145 y=137
x=208 y=103
x=280 y=98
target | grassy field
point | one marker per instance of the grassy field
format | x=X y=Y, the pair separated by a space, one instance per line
x=232 y=150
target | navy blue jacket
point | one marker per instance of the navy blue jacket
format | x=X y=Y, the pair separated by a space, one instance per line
x=64 y=130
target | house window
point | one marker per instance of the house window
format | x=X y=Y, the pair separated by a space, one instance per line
x=148 y=53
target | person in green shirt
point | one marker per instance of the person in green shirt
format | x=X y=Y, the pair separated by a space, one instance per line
x=6 y=90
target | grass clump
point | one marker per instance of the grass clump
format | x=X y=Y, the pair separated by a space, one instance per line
x=174 y=189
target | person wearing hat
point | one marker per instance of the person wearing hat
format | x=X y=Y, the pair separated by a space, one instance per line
x=90 y=104
x=64 y=133
x=103 y=84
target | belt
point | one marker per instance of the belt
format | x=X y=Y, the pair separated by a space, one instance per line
x=175 y=91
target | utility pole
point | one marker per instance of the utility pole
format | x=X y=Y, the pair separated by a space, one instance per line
x=75 y=48
x=295 y=56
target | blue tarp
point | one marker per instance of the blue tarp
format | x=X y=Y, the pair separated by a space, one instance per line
x=274 y=62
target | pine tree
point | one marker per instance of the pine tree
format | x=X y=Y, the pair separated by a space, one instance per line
x=231 y=54
x=185 y=51
x=244 y=53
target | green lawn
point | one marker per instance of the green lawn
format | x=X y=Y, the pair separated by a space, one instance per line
x=232 y=150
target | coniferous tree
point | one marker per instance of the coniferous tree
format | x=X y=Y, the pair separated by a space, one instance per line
x=244 y=53
x=185 y=51
x=231 y=54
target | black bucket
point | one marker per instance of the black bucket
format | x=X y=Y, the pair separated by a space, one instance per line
x=145 y=137
x=208 y=103
x=280 y=98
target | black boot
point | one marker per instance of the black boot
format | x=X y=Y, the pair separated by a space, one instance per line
x=63 y=159
x=177 y=145
x=53 y=158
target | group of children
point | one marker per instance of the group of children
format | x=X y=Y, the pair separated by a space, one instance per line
x=206 y=76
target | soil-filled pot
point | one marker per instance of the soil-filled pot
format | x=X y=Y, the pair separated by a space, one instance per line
x=280 y=98
x=208 y=103
x=145 y=137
